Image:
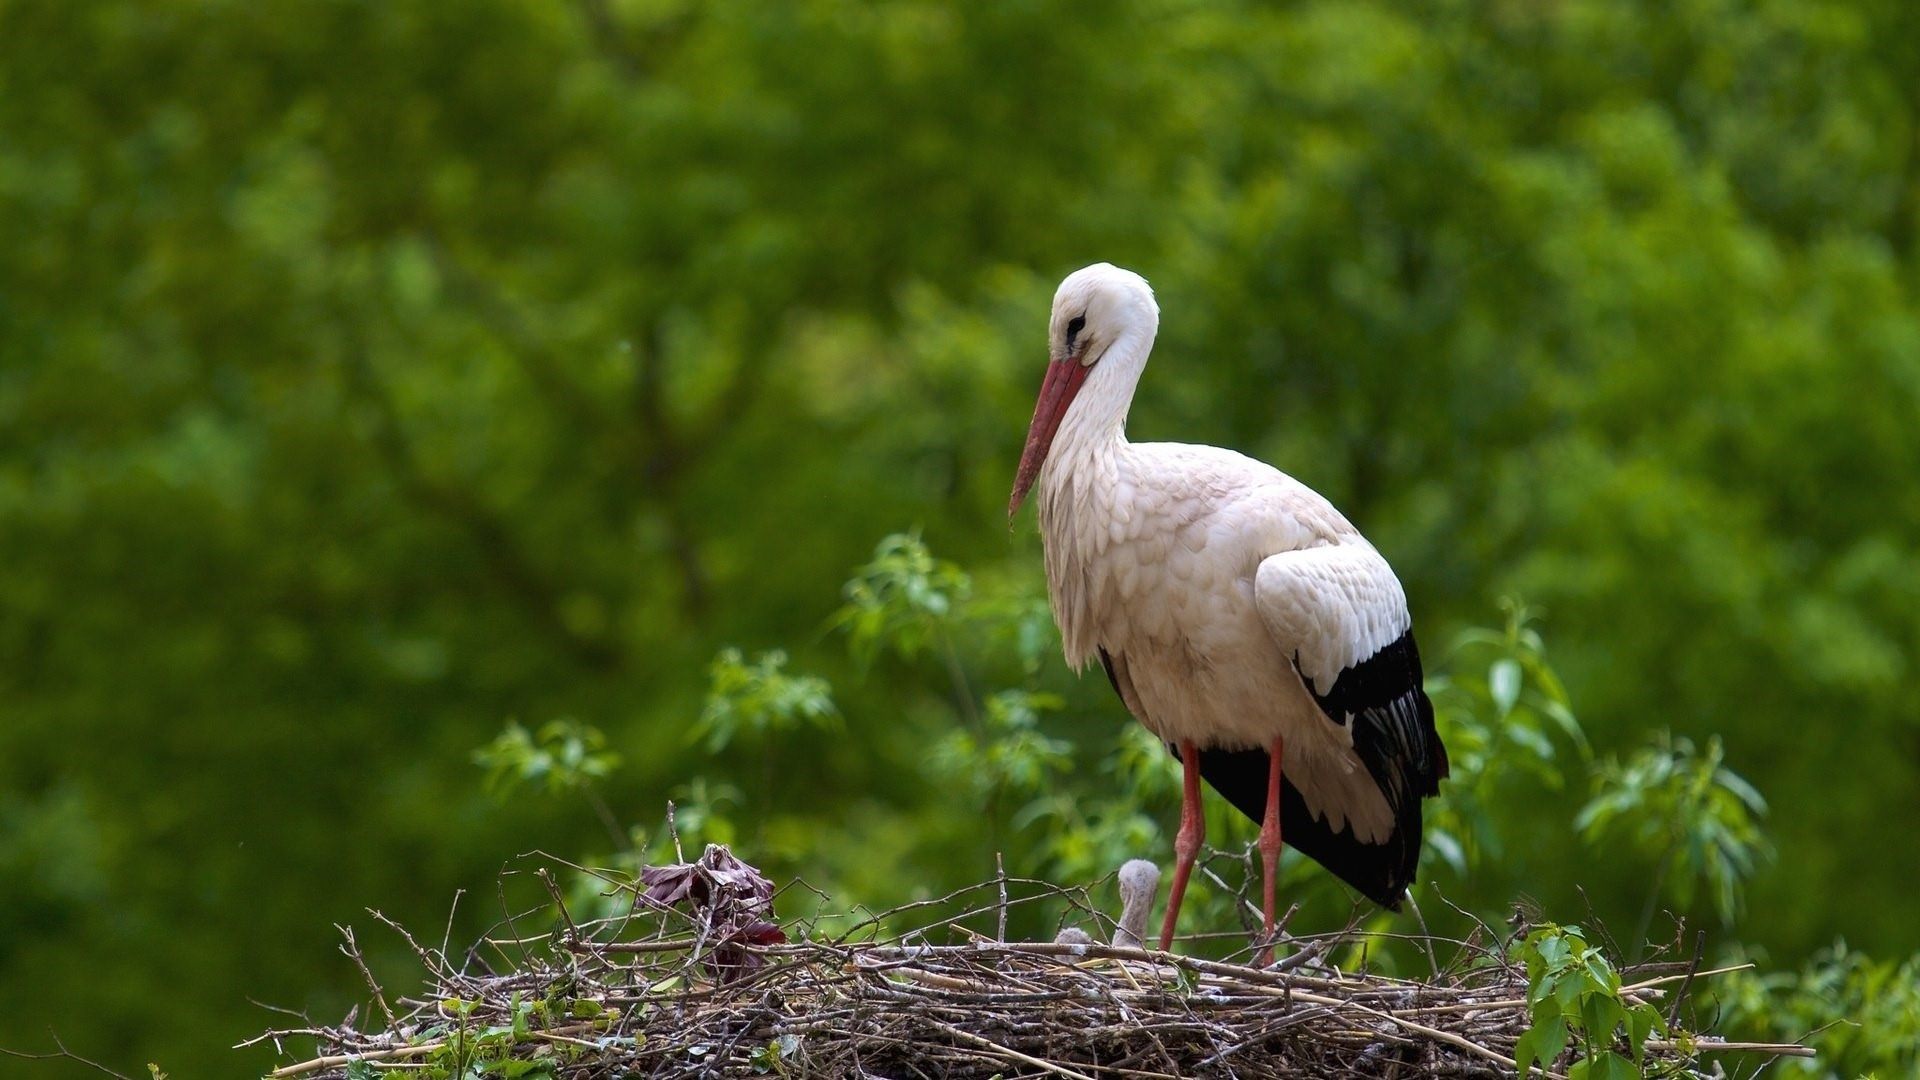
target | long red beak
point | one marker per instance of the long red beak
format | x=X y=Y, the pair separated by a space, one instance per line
x=1056 y=393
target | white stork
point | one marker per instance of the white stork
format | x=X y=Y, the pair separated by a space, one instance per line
x=1239 y=616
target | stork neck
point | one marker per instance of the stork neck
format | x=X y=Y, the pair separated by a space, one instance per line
x=1097 y=419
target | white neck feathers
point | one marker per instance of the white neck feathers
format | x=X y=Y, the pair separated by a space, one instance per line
x=1097 y=419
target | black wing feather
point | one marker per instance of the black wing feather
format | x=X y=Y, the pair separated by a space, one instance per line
x=1385 y=699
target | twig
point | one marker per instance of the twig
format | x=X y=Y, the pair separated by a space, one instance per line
x=62 y=1054
x=328 y=1061
x=446 y=935
x=352 y=949
x=1012 y=1055
x=1708 y=1043
x=1000 y=875
x=1680 y=995
x=1664 y=979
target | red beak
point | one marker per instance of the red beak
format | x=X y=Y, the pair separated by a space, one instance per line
x=1056 y=393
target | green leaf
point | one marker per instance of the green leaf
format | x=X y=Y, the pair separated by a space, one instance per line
x=1541 y=1044
x=1600 y=1016
x=1564 y=719
x=1569 y=991
x=1503 y=682
x=1532 y=740
x=1605 y=1065
x=1555 y=950
x=1640 y=1023
x=1542 y=989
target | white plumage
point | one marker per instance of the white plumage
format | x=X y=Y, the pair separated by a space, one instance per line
x=1227 y=600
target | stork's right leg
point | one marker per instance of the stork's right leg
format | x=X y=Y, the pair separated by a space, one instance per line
x=1186 y=843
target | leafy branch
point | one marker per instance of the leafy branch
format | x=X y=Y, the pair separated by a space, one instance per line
x=1685 y=812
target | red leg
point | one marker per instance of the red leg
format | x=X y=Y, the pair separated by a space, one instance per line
x=1270 y=849
x=1186 y=844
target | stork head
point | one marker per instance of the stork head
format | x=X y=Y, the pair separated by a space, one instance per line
x=1094 y=309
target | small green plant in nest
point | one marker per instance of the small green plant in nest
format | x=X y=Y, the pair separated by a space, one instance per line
x=1574 y=998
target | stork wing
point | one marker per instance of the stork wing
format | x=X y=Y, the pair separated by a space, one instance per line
x=1339 y=614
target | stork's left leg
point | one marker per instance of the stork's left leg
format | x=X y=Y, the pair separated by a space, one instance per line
x=1270 y=850
x=1186 y=843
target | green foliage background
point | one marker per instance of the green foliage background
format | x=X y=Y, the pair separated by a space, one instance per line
x=372 y=374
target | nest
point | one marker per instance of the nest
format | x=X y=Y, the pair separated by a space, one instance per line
x=698 y=980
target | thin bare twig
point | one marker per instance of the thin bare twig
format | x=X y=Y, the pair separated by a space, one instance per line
x=352 y=949
x=61 y=1053
x=1000 y=875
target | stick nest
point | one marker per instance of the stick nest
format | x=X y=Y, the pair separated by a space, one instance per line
x=698 y=980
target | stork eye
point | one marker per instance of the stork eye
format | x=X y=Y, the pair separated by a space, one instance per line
x=1074 y=326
